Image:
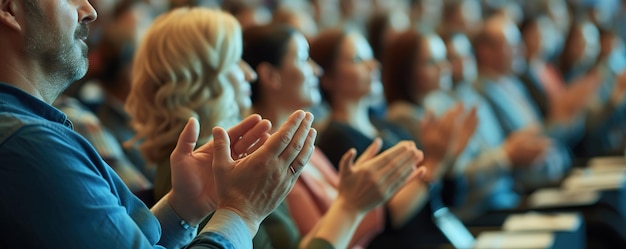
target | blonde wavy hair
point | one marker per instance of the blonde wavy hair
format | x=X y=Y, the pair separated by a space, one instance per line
x=180 y=71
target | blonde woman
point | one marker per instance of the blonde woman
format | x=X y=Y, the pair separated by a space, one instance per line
x=181 y=70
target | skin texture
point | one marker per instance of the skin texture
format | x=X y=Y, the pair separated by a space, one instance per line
x=47 y=50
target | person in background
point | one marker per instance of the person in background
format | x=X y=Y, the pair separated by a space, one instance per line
x=498 y=51
x=491 y=155
x=348 y=85
x=58 y=180
x=224 y=77
x=117 y=50
x=288 y=80
x=461 y=16
x=416 y=72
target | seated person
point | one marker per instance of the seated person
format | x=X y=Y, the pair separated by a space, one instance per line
x=497 y=52
x=288 y=80
x=64 y=195
x=350 y=72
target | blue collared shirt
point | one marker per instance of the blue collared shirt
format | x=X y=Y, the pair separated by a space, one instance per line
x=57 y=192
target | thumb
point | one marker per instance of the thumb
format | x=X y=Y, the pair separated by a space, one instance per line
x=346 y=163
x=221 y=149
x=187 y=139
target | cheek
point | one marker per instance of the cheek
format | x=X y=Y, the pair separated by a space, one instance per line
x=364 y=75
x=426 y=75
x=349 y=76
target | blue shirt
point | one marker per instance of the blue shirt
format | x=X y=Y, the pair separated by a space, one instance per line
x=57 y=191
x=483 y=162
x=515 y=110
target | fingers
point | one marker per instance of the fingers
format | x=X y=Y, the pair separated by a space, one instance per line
x=305 y=154
x=346 y=163
x=187 y=139
x=258 y=143
x=298 y=139
x=245 y=141
x=371 y=151
x=221 y=150
x=244 y=126
x=400 y=169
x=277 y=143
x=391 y=154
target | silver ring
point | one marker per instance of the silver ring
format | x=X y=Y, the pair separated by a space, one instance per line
x=242 y=155
x=293 y=171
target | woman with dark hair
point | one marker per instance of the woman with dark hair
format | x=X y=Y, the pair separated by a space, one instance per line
x=324 y=201
x=350 y=72
x=417 y=80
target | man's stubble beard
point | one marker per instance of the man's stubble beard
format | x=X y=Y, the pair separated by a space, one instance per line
x=55 y=51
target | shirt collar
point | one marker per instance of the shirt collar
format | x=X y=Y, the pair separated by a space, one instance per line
x=13 y=96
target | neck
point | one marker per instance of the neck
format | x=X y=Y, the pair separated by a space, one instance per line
x=28 y=74
x=274 y=112
x=354 y=114
x=31 y=79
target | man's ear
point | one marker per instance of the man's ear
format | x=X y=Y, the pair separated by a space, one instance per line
x=268 y=75
x=8 y=14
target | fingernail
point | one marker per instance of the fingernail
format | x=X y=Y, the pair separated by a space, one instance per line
x=301 y=115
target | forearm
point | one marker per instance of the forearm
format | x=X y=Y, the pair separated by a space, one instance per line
x=336 y=227
x=407 y=202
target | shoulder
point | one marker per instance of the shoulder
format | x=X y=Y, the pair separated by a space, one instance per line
x=19 y=126
x=401 y=110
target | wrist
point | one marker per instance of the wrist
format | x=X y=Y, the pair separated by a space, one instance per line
x=350 y=208
x=184 y=210
x=252 y=223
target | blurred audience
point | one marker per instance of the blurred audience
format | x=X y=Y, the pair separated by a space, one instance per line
x=502 y=96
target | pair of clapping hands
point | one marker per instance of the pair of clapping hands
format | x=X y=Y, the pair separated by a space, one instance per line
x=217 y=176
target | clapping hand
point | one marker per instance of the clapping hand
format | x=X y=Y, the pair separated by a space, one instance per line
x=193 y=194
x=254 y=185
x=373 y=179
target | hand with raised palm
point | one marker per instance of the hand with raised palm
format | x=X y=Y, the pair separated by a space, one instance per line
x=193 y=194
x=373 y=179
x=254 y=186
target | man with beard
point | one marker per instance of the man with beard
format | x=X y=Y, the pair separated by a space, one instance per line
x=59 y=193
